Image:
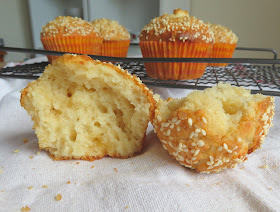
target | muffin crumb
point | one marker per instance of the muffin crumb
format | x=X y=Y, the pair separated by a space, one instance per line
x=25 y=140
x=115 y=169
x=30 y=187
x=16 y=151
x=58 y=197
x=31 y=157
x=44 y=186
x=68 y=182
x=25 y=209
x=264 y=166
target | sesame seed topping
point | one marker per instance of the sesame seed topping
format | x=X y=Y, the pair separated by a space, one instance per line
x=196 y=152
x=225 y=146
x=203 y=132
x=192 y=134
x=159 y=118
x=190 y=122
x=239 y=140
x=200 y=143
x=168 y=132
x=197 y=130
x=220 y=148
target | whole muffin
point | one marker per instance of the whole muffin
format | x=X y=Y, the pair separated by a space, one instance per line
x=68 y=34
x=213 y=129
x=116 y=37
x=176 y=35
x=225 y=43
x=86 y=109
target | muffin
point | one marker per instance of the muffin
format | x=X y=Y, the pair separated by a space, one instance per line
x=225 y=43
x=116 y=37
x=86 y=109
x=68 y=34
x=177 y=35
x=213 y=129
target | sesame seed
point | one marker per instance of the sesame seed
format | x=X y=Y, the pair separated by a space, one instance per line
x=174 y=119
x=193 y=150
x=225 y=146
x=168 y=132
x=239 y=140
x=235 y=148
x=203 y=132
x=211 y=158
x=180 y=146
x=200 y=143
x=178 y=128
x=159 y=118
x=190 y=122
x=193 y=158
x=197 y=130
x=177 y=122
x=196 y=152
x=193 y=144
x=171 y=126
x=192 y=134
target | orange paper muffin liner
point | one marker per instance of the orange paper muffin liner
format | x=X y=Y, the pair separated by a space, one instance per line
x=115 y=48
x=222 y=50
x=73 y=44
x=175 y=71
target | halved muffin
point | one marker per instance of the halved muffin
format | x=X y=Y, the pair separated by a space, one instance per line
x=213 y=129
x=86 y=109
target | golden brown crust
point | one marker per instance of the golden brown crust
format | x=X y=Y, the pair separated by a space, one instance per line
x=68 y=26
x=223 y=34
x=178 y=26
x=188 y=137
x=110 y=29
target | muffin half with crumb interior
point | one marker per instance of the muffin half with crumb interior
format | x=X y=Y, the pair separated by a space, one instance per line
x=116 y=37
x=213 y=129
x=225 y=43
x=69 y=34
x=86 y=109
x=177 y=35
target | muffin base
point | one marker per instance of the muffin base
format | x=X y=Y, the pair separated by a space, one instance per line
x=115 y=48
x=176 y=49
x=72 y=44
x=222 y=50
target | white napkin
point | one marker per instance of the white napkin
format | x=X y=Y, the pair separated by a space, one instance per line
x=152 y=181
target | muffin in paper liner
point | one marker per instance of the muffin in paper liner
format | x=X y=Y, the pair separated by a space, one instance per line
x=74 y=44
x=177 y=49
x=70 y=34
x=176 y=35
x=115 y=48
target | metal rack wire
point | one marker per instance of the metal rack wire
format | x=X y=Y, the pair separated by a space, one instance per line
x=259 y=75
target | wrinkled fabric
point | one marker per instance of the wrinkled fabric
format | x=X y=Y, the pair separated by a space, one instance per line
x=151 y=181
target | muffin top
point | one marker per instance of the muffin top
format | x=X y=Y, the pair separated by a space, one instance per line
x=179 y=26
x=223 y=34
x=67 y=26
x=110 y=29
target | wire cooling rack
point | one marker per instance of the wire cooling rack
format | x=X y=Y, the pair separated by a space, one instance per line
x=263 y=77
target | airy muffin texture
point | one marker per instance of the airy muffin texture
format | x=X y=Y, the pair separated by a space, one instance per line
x=111 y=29
x=86 y=109
x=213 y=129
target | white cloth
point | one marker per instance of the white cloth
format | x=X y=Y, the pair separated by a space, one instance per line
x=151 y=181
